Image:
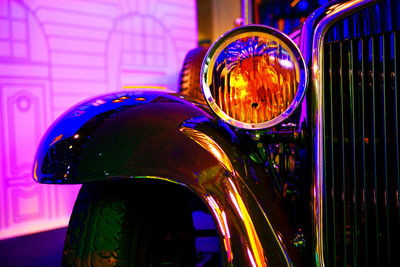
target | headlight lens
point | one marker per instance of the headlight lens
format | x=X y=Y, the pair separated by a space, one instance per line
x=254 y=77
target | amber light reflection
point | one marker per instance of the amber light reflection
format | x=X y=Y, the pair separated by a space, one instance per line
x=56 y=139
x=210 y=145
x=261 y=82
x=222 y=224
x=256 y=252
x=255 y=249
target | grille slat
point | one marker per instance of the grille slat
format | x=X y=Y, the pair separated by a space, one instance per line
x=364 y=58
x=395 y=220
x=361 y=151
x=396 y=90
x=342 y=150
x=375 y=134
x=386 y=110
x=361 y=142
x=332 y=191
x=352 y=78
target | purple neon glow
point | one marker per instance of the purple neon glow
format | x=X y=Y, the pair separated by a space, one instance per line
x=56 y=53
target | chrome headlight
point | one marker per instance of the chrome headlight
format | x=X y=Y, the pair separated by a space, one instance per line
x=253 y=77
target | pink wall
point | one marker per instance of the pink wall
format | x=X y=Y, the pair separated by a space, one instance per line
x=56 y=53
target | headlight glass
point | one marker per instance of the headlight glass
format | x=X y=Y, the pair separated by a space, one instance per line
x=253 y=77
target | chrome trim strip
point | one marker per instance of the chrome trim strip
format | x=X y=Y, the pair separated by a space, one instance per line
x=247 y=11
x=332 y=14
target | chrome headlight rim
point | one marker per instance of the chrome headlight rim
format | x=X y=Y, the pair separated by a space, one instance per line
x=247 y=31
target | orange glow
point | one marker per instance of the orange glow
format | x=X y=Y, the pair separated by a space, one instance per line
x=256 y=87
x=255 y=243
x=261 y=88
x=76 y=136
x=232 y=197
x=34 y=172
x=315 y=68
x=253 y=263
x=121 y=99
x=140 y=99
x=210 y=145
x=222 y=224
x=228 y=233
x=233 y=185
x=294 y=3
x=98 y=102
x=254 y=77
x=144 y=87
x=56 y=139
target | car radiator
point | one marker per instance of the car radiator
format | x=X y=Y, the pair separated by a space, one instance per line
x=361 y=138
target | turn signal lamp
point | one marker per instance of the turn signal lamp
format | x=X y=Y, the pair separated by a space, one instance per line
x=253 y=77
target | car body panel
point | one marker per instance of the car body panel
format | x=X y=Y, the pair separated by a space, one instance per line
x=157 y=135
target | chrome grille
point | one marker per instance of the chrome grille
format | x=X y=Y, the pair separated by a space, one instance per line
x=361 y=139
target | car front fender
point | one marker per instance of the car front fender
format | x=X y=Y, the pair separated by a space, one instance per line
x=157 y=135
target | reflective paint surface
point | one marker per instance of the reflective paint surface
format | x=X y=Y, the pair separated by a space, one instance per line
x=208 y=144
x=141 y=136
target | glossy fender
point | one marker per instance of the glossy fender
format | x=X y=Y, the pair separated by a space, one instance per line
x=156 y=135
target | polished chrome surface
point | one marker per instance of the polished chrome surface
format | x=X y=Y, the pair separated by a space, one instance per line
x=247 y=11
x=156 y=135
x=329 y=14
x=263 y=94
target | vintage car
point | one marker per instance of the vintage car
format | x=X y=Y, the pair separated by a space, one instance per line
x=295 y=158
